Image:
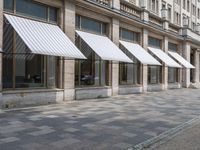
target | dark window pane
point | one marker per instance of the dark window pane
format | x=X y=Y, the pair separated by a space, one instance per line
x=129 y=35
x=29 y=67
x=7 y=56
x=8 y=5
x=172 y=75
x=90 y=72
x=173 y=47
x=154 y=74
x=90 y=25
x=32 y=9
x=52 y=69
x=154 y=42
x=53 y=12
x=129 y=74
x=78 y=21
x=104 y=28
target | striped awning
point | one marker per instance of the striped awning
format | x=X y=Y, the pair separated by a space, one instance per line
x=43 y=38
x=104 y=47
x=181 y=60
x=138 y=52
x=164 y=57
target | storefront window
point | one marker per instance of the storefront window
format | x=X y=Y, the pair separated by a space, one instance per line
x=93 y=71
x=154 y=74
x=173 y=72
x=32 y=9
x=129 y=73
x=172 y=75
x=21 y=68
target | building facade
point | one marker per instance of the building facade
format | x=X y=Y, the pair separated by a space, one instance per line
x=60 y=50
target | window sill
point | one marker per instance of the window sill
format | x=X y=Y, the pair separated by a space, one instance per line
x=94 y=87
x=31 y=91
x=130 y=85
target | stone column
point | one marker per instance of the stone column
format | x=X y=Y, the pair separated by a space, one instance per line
x=186 y=72
x=196 y=64
x=144 y=76
x=165 y=67
x=69 y=29
x=180 y=72
x=1 y=43
x=115 y=64
x=116 y=4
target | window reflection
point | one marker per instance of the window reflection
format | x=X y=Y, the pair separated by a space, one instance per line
x=129 y=73
x=154 y=74
x=21 y=68
x=90 y=72
x=172 y=75
x=31 y=8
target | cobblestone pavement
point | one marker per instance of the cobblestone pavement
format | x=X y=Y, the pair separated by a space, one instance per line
x=102 y=124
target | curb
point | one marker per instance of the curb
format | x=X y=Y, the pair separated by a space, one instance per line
x=165 y=136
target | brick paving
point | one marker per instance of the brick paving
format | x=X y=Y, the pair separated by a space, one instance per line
x=101 y=124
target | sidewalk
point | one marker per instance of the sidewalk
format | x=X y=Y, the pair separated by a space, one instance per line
x=115 y=123
x=187 y=140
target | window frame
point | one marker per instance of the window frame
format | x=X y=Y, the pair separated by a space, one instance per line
x=24 y=15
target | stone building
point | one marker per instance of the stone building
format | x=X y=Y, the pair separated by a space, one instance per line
x=60 y=50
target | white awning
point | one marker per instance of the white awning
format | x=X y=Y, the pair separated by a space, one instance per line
x=43 y=38
x=142 y=55
x=164 y=57
x=181 y=60
x=104 y=47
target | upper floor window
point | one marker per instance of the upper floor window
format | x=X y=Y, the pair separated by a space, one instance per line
x=184 y=4
x=188 y=5
x=193 y=10
x=92 y=25
x=32 y=9
x=177 y=18
x=169 y=13
x=193 y=26
x=154 y=42
x=154 y=5
x=129 y=35
x=198 y=13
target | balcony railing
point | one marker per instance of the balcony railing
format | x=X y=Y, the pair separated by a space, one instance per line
x=103 y=2
x=129 y=10
x=155 y=21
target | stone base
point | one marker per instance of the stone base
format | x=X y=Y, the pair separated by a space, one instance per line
x=90 y=93
x=195 y=85
x=155 y=88
x=174 y=86
x=13 y=99
x=129 y=90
